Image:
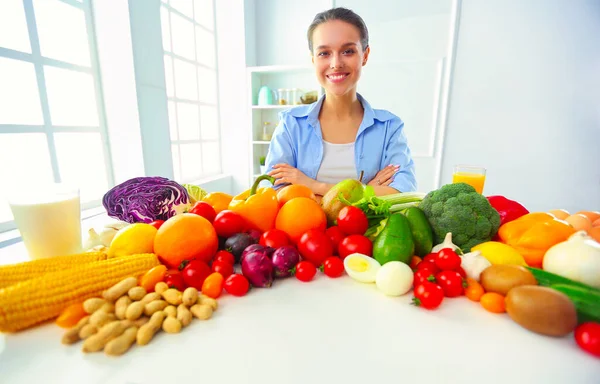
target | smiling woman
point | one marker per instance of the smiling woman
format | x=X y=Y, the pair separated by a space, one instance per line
x=340 y=136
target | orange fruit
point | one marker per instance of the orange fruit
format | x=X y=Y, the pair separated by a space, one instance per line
x=184 y=237
x=560 y=214
x=579 y=222
x=289 y=192
x=592 y=215
x=595 y=233
x=596 y=223
x=298 y=216
x=218 y=200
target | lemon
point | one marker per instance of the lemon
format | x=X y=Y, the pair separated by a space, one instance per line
x=499 y=253
x=133 y=239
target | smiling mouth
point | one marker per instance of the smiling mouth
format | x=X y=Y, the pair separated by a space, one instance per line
x=335 y=77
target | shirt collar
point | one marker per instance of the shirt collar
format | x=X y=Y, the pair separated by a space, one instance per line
x=312 y=112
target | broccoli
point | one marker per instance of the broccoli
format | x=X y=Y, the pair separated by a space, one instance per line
x=459 y=209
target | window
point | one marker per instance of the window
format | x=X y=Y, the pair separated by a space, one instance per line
x=51 y=112
x=190 y=62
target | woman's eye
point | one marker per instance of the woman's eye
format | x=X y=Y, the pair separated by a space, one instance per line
x=323 y=53
x=348 y=51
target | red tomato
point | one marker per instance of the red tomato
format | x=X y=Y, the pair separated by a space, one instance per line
x=305 y=271
x=224 y=256
x=333 y=266
x=423 y=275
x=428 y=265
x=213 y=285
x=202 y=208
x=223 y=267
x=336 y=236
x=451 y=283
x=274 y=238
x=174 y=279
x=428 y=295
x=236 y=285
x=431 y=257
x=461 y=272
x=355 y=244
x=157 y=223
x=447 y=260
x=352 y=221
x=194 y=273
x=587 y=336
x=315 y=246
x=227 y=223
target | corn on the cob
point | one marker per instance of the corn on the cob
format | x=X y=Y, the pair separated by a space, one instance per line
x=42 y=298
x=12 y=274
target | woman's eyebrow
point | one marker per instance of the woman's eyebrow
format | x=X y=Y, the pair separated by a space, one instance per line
x=344 y=45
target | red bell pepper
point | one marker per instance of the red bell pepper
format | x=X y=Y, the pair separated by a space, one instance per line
x=509 y=210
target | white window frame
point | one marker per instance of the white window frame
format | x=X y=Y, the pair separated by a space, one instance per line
x=39 y=61
x=171 y=10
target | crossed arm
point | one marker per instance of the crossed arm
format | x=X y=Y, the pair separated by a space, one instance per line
x=286 y=174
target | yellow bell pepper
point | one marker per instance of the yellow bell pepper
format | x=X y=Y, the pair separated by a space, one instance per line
x=258 y=206
x=533 y=234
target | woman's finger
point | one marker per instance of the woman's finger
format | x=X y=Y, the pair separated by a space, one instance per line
x=388 y=182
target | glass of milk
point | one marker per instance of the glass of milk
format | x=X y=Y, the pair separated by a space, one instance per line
x=49 y=219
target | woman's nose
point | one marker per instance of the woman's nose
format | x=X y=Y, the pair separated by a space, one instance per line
x=336 y=62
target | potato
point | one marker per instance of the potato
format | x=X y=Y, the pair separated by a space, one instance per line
x=542 y=310
x=501 y=278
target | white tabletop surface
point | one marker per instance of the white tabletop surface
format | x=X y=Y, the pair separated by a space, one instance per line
x=325 y=331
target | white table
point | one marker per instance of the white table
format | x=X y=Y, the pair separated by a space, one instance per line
x=325 y=331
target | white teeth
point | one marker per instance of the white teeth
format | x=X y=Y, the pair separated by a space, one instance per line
x=336 y=77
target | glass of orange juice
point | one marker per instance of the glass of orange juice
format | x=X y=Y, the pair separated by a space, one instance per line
x=469 y=174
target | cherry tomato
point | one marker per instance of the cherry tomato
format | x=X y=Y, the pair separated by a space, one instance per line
x=236 y=285
x=587 y=336
x=447 y=260
x=333 y=266
x=153 y=276
x=305 y=271
x=428 y=295
x=355 y=244
x=423 y=275
x=213 y=285
x=224 y=256
x=71 y=315
x=336 y=236
x=451 y=282
x=174 y=279
x=223 y=267
x=315 y=246
x=414 y=261
x=431 y=257
x=227 y=223
x=157 y=223
x=202 y=208
x=474 y=290
x=274 y=238
x=428 y=265
x=461 y=272
x=194 y=273
x=352 y=221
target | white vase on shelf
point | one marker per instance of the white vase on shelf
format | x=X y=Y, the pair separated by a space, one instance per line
x=263 y=169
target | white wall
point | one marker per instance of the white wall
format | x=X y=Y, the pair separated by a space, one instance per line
x=525 y=100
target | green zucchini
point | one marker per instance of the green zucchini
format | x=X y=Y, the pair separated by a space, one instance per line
x=586 y=300
x=420 y=229
x=546 y=279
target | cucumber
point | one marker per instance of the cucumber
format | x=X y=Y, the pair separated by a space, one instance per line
x=546 y=279
x=587 y=301
x=420 y=229
x=394 y=242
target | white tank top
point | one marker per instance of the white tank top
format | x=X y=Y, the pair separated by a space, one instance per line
x=337 y=163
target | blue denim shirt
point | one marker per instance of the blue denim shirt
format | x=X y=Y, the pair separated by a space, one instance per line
x=380 y=141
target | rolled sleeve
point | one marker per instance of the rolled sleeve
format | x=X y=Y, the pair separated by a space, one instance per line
x=398 y=153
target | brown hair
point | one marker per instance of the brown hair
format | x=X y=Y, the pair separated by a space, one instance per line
x=343 y=14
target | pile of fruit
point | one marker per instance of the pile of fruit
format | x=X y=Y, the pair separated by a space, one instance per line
x=541 y=268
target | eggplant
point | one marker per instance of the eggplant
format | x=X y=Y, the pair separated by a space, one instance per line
x=237 y=243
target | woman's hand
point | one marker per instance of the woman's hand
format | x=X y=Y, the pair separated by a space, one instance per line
x=286 y=174
x=385 y=176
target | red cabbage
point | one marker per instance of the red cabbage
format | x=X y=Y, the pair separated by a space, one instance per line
x=145 y=199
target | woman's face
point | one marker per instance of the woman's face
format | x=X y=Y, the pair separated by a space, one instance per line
x=338 y=56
